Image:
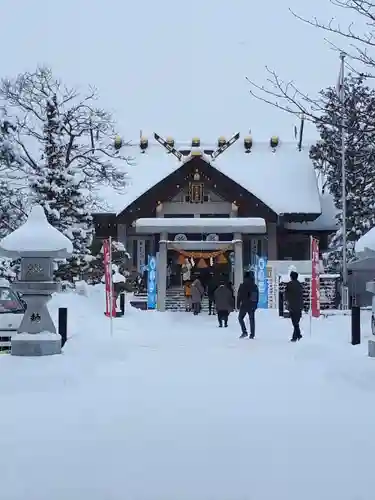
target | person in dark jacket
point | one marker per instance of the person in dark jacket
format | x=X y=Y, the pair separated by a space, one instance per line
x=294 y=299
x=230 y=287
x=197 y=292
x=247 y=303
x=211 y=287
x=224 y=304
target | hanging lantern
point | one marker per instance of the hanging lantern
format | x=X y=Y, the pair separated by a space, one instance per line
x=221 y=141
x=221 y=259
x=117 y=143
x=181 y=260
x=196 y=142
x=143 y=144
x=201 y=264
x=248 y=144
x=170 y=141
x=274 y=142
x=211 y=261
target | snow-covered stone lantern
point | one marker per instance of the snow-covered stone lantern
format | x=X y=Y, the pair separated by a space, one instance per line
x=38 y=244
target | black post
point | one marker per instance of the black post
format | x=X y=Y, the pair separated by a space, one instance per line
x=122 y=303
x=281 y=304
x=356 y=325
x=63 y=324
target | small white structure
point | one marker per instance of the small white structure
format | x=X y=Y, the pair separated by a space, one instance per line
x=38 y=244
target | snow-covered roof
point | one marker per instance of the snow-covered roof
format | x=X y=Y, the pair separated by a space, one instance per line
x=36 y=236
x=366 y=242
x=284 y=180
x=253 y=225
x=325 y=222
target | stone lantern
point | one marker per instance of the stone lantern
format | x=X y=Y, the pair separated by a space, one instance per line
x=38 y=244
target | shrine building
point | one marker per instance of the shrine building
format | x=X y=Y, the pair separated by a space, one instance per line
x=181 y=196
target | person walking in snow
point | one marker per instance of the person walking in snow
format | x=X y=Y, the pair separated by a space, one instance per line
x=294 y=299
x=186 y=271
x=211 y=287
x=224 y=303
x=230 y=287
x=187 y=293
x=197 y=292
x=247 y=303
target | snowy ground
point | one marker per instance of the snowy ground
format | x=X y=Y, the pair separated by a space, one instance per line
x=171 y=407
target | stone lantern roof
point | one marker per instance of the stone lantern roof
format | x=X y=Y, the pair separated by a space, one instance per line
x=36 y=237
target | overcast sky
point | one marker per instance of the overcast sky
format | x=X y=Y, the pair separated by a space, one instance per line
x=177 y=68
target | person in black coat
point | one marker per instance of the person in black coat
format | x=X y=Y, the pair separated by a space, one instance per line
x=294 y=299
x=224 y=303
x=247 y=303
x=211 y=287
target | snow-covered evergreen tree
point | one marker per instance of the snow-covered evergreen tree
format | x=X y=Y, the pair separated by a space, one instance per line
x=120 y=259
x=359 y=114
x=12 y=198
x=56 y=189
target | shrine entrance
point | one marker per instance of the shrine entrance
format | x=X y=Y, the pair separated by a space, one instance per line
x=217 y=264
x=200 y=250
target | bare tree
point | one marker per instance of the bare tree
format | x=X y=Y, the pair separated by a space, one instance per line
x=88 y=130
x=286 y=96
x=362 y=45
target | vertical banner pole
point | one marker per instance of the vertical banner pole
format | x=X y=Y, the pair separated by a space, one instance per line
x=110 y=287
x=311 y=281
x=106 y=277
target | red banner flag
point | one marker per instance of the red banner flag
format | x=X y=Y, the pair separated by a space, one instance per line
x=108 y=281
x=315 y=281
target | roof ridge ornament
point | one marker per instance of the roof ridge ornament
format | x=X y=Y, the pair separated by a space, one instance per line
x=168 y=147
x=220 y=150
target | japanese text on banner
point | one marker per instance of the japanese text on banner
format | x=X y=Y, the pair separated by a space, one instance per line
x=315 y=279
x=108 y=280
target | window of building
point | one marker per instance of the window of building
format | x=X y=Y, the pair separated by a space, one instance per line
x=178 y=216
x=215 y=216
x=293 y=247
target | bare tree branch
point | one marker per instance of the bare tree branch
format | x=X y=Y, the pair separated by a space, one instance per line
x=287 y=97
x=87 y=131
x=362 y=44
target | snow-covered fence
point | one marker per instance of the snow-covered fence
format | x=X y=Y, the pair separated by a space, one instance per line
x=329 y=289
x=273 y=287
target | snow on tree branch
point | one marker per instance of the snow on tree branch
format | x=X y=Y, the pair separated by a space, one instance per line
x=359 y=114
x=86 y=130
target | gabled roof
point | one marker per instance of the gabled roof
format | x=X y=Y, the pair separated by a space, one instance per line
x=283 y=180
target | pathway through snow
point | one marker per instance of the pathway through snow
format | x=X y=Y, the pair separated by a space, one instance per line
x=172 y=407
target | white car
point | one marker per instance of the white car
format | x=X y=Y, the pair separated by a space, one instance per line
x=12 y=309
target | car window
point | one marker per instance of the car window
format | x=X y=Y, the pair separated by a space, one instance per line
x=9 y=301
